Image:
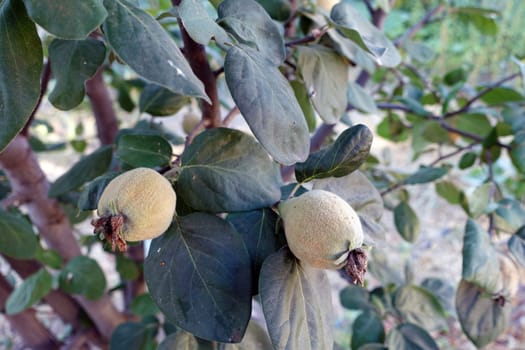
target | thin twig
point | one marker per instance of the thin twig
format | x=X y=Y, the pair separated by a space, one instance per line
x=230 y=116
x=419 y=25
x=452 y=154
x=315 y=34
x=196 y=130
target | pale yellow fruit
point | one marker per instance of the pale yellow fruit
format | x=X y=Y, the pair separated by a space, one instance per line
x=190 y=121
x=144 y=198
x=327 y=4
x=321 y=228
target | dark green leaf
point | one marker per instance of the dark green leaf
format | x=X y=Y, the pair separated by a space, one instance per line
x=480 y=260
x=159 y=101
x=353 y=25
x=17 y=239
x=360 y=99
x=88 y=199
x=214 y=173
x=325 y=73
x=510 y=215
x=72 y=63
x=517 y=153
x=483 y=19
x=268 y=105
x=199 y=274
x=455 y=76
x=450 y=192
x=367 y=328
x=408 y=336
x=199 y=25
x=514 y=117
x=86 y=169
x=258 y=231
x=181 y=340
x=251 y=25
x=34 y=288
x=279 y=10
x=49 y=258
x=500 y=95
x=474 y=123
x=392 y=128
x=417 y=305
x=130 y=31
x=124 y=98
x=127 y=268
x=482 y=317
x=517 y=246
x=424 y=175
x=354 y=297
x=346 y=155
x=83 y=275
x=20 y=67
x=301 y=93
x=296 y=303
x=372 y=346
x=406 y=221
x=144 y=150
x=442 y=290
x=68 y=19
x=134 y=336
x=144 y=305
x=467 y=160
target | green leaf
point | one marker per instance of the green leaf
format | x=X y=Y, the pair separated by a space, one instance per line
x=72 y=63
x=130 y=31
x=420 y=51
x=344 y=156
x=258 y=230
x=408 y=336
x=134 y=336
x=144 y=150
x=214 y=175
x=144 y=306
x=360 y=99
x=417 y=305
x=482 y=317
x=443 y=290
x=325 y=74
x=20 y=67
x=467 y=160
x=251 y=25
x=27 y=294
x=392 y=128
x=83 y=275
x=516 y=245
x=510 y=215
x=354 y=297
x=353 y=25
x=181 y=340
x=279 y=10
x=450 y=192
x=67 y=19
x=49 y=258
x=159 y=101
x=127 y=268
x=255 y=338
x=367 y=328
x=88 y=168
x=199 y=25
x=268 y=105
x=296 y=303
x=480 y=260
x=484 y=20
x=517 y=153
x=500 y=95
x=424 y=175
x=301 y=93
x=199 y=273
x=478 y=200
x=474 y=123
x=406 y=221
x=17 y=240
x=88 y=199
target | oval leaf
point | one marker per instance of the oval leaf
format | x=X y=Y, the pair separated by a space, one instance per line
x=200 y=27
x=367 y=328
x=408 y=336
x=17 y=239
x=347 y=153
x=34 y=288
x=72 y=63
x=83 y=275
x=296 y=303
x=199 y=274
x=90 y=195
x=134 y=336
x=86 y=169
x=20 y=67
x=225 y=170
x=424 y=175
x=301 y=93
x=268 y=104
x=181 y=340
x=354 y=297
x=360 y=99
x=517 y=246
x=250 y=24
x=130 y=31
x=419 y=306
x=159 y=101
x=144 y=150
x=406 y=221
x=325 y=74
x=67 y=19
x=482 y=318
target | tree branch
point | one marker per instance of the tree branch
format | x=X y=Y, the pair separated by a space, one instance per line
x=419 y=25
x=27 y=179
x=25 y=323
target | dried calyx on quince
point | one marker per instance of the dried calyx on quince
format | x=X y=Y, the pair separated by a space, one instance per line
x=136 y=205
x=324 y=231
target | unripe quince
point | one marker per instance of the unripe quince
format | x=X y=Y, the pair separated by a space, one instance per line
x=190 y=121
x=321 y=228
x=136 y=205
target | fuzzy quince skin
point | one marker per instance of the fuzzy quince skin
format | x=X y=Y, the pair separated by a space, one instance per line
x=321 y=228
